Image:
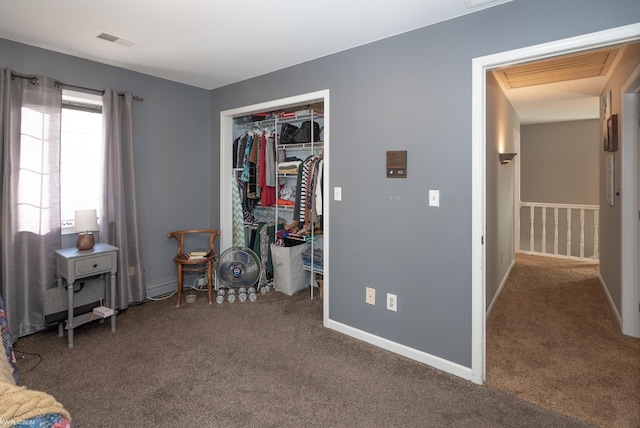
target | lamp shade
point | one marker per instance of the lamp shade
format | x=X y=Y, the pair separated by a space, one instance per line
x=86 y=220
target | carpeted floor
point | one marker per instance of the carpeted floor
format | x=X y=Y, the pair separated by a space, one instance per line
x=265 y=364
x=553 y=340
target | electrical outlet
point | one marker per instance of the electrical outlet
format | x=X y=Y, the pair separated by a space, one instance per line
x=392 y=302
x=202 y=282
x=371 y=296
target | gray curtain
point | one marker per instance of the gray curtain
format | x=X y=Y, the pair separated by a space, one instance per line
x=118 y=215
x=30 y=205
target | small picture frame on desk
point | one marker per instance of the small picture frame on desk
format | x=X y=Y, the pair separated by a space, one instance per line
x=611 y=142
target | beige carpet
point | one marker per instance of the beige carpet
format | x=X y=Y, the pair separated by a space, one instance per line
x=553 y=340
x=268 y=364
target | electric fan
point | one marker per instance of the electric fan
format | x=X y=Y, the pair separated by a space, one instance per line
x=238 y=267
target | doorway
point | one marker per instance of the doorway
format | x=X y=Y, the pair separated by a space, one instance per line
x=480 y=66
x=226 y=171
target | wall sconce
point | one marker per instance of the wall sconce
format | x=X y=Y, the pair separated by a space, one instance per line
x=506 y=157
x=85 y=221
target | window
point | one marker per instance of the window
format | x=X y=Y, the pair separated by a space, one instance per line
x=81 y=155
x=37 y=127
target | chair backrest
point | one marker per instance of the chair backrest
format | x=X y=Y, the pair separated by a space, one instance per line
x=180 y=235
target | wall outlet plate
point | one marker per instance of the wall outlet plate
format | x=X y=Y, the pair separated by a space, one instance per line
x=392 y=302
x=370 y=297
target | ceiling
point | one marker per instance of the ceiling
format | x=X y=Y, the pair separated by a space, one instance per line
x=213 y=43
x=561 y=88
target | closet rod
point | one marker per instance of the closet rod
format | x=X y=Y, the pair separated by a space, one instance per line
x=34 y=81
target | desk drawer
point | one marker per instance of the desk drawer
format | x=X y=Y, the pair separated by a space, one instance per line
x=95 y=264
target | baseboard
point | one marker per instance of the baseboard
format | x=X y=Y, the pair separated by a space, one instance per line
x=162 y=288
x=560 y=256
x=611 y=303
x=504 y=281
x=423 y=357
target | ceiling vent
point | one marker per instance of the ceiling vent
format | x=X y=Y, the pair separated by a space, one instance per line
x=560 y=69
x=116 y=39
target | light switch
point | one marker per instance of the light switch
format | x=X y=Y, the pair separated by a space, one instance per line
x=337 y=193
x=434 y=198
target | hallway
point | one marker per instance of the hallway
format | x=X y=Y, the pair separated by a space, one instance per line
x=552 y=339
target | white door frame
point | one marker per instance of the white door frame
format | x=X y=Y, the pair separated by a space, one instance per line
x=480 y=66
x=226 y=172
x=630 y=204
x=516 y=191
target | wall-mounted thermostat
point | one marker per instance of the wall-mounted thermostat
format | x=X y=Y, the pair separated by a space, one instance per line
x=397 y=164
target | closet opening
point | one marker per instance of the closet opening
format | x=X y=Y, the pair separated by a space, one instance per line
x=274 y=166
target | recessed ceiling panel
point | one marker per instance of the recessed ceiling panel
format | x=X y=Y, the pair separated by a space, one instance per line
x=562 y=69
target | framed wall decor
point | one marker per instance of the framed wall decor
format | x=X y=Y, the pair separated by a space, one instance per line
x=606 y=105
x=611 y=144
x=606 y=114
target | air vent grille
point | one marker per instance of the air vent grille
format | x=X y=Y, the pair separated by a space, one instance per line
x=108 y=37
x=116 y=39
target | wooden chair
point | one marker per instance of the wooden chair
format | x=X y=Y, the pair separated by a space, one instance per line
x=185 y=264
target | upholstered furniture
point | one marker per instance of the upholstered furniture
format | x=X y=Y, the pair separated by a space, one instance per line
x=21 y=407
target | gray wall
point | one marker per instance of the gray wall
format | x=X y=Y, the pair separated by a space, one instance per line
x=561 y=162
x=610 y=230
x=500 y=238
x=413 y=92
x=172 y=149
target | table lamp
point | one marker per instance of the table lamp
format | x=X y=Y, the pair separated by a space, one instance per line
x=85 y=222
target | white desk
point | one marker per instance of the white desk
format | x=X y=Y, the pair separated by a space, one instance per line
x=73 y=264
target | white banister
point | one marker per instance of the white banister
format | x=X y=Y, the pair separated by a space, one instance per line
x=555 y=231
x=532 y=234
x=544 y=230
x=569 y=232
x=582 y=233
x=588 y=233
x=596 y=220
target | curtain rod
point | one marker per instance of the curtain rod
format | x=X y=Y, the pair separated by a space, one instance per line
x=34 y=81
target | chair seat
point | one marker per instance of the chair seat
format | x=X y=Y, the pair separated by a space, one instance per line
x=183 y=259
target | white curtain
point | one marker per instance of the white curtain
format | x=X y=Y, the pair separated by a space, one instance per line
x=30 y=141
x=118 y=214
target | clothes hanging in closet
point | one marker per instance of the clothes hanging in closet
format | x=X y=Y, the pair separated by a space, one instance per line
x=262 y=235
x=308 y=209
x=239 y=236
x=254 y=160
x=266 y=172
